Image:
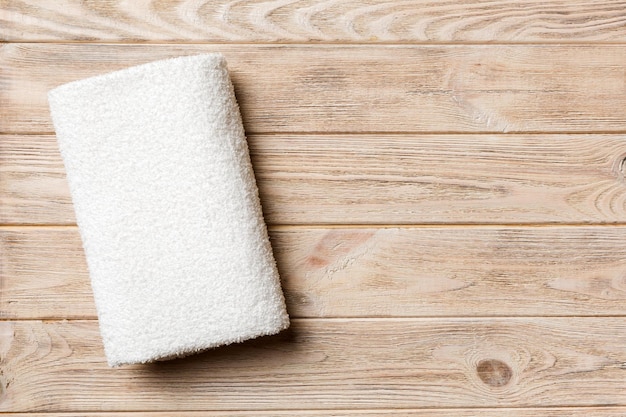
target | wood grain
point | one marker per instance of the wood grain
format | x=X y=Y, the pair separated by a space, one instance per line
x=435 y=271
x=56 y=366
x=33 y=187
x=318 y=21
x=503 y=293
x=378 y=179
x=343 y=88
x=454 y=412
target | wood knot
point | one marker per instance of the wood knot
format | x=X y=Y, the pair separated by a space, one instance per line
x=619 y=168
x=494 y=373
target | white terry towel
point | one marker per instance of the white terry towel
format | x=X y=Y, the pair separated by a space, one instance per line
x=168 y=209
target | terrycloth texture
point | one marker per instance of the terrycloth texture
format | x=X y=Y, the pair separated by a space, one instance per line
x=168 y=209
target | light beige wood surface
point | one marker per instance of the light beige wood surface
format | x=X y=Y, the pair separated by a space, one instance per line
x=310 y=20
x=379 y=179
x=444 y=183
x=360 y=88
x=430 y=412
x=370 y=272
x=330 y=364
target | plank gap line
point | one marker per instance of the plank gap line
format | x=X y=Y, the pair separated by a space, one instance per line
x=388 y=133
x=286 y=227
x=347 y=319
x=313 y=43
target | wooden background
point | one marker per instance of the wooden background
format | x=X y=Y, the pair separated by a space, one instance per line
x=444 y=183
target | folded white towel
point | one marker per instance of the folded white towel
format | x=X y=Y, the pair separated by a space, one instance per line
x=168 y=209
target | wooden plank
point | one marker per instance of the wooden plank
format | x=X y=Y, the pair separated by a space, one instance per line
x=423 y=272
x=594 y=411
x=343 y=88
x=33 y=187
x=309 y=20
x=325 y=364
x=378 y=179
x=38 y=287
